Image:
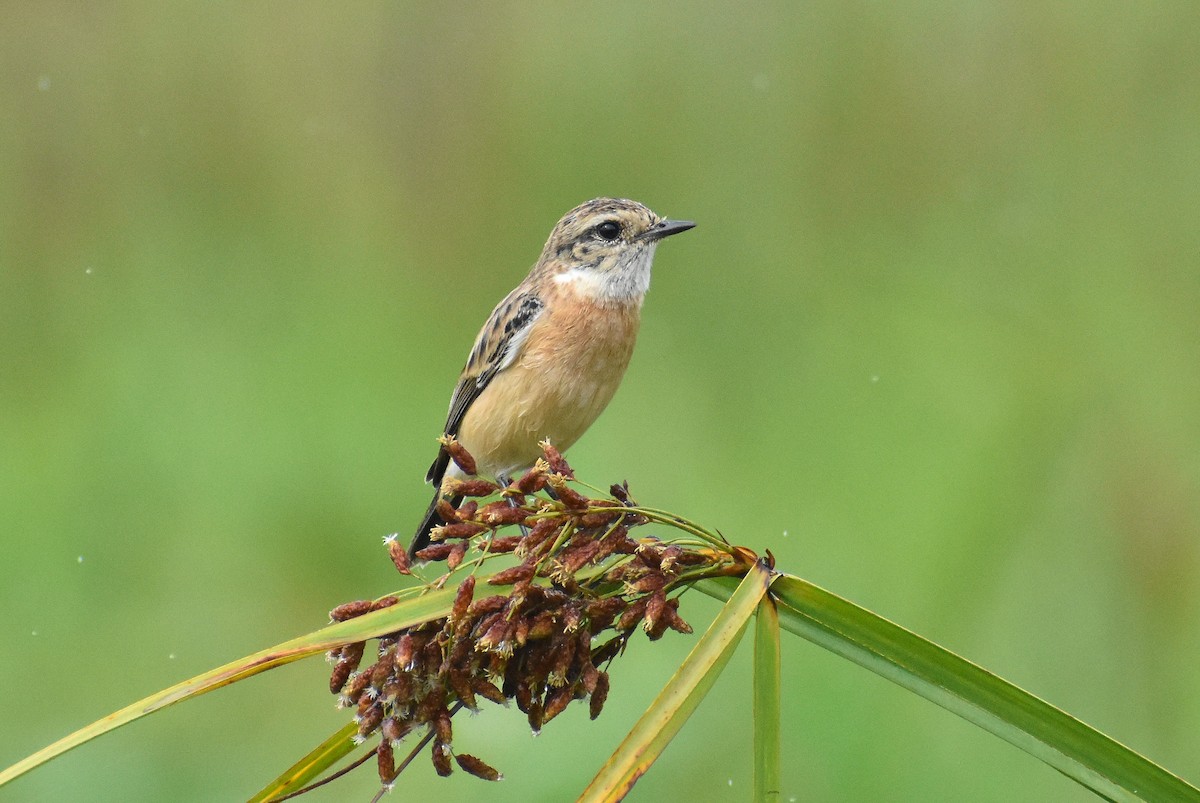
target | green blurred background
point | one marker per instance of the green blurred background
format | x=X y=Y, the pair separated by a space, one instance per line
x=935 y=343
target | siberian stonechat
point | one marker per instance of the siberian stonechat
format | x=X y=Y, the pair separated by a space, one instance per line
x=553 y=352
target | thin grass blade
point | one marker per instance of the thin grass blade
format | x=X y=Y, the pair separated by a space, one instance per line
x=768 y=686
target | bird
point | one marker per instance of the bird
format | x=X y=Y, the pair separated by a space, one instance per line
x=552 y=353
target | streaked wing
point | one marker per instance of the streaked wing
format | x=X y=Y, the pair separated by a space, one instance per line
x=496 y=346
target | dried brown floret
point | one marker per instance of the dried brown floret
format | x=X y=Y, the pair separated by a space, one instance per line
x=512 y=575
x=442 y=727
x=502 y=514
x=505 y=543
x=457 y=487
x=384 y=602
x=694 y=557
x=588 y=677
x=406 y=649
x=650 y=555
x=434 y=551
x=487 y=690
x=632 y=614
x=534 y=715
x=479 y=769
x=656 y=604
x=358 y=682
x=370 y=715
x=354 y=652
x=562 y=652
x=572 y=617
x=462 y=599
x=431 y=657
x=341 y=673
x=573 y=559
x=460 y=682
x=523 y=694
x=398 y=688
x=349 y=610
x=556 y=461
x=459 y=454
x=447 y=511
x=429 y=705
x=498 y=637
x=543 y=531
x=461 y=529
x=674 y=621
x=543 y=625
x=653 y=581
x=571 y=499
x=482 y=607
x=599 y=518
x=394 y=729
x=556 y=703
x=441 y=758
x=380 y=672
x=656 y=621
x=386 y=761
x=670 y=556
x=599 y=695
x=602 y=612
x=533 y=480
x=456 y=556
x=399 y=556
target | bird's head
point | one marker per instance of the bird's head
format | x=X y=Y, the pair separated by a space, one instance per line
x=605 y=247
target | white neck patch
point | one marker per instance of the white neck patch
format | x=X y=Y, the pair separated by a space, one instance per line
x=628 y=280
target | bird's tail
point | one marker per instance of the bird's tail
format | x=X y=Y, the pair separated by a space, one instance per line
x=432 y=519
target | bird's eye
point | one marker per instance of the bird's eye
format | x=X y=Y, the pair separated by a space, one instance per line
x=608 y=230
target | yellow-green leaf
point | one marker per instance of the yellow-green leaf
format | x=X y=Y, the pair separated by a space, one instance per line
x=410 y=611
x=768 y=684
x=687 y=687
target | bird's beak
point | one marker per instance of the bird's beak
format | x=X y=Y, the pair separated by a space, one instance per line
x=666 y=228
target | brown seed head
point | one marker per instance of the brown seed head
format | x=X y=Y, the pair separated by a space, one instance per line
x=505 y=543
x=501 y=513
x=457 y=487
x=441 y=758
x=556 y=461
x=514 y=574
x=533 y=480
x=434 y=551
x=458 y=453
x=571 y=499
x=456 y=555
x=479 y=769
x=384 y=602
x=386 y=761
x=399 y=556
x=349 y=610
x=599 y=695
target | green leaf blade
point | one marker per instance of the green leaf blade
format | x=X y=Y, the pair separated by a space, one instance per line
x=768 y=688
x=339 y=745
x=682 y=694
x=1075 y=749
x=407 y=612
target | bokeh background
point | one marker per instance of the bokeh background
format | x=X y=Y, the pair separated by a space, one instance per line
x=935 y=343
